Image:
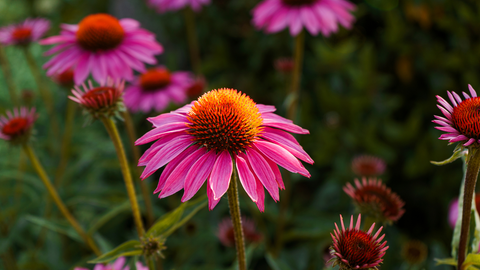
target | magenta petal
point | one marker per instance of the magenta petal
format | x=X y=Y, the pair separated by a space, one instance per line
x=167 y=118
x=287 y=141
x=261 y=196
x=282 y=157
x=158 y=132
x=221 y=174
x=172 y=165
x=276 y=171
x=246 y=178
x=263 y=171
x=211 y=200
x=197 y=174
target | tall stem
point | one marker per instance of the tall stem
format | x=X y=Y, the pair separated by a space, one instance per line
x=58 y=201
x=132 y=136
x=192 y=39
x=127 y=176
x=297 y=73
x=234 y=205
x=473 y=166
x=67 y=136
x=7 y=74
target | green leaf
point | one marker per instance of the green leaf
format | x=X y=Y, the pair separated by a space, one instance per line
x=190 y=210
x=62 y=228
x=275 y=263
x=102 y=220
x=458 y=153
x=130 y=248
x=448 y=261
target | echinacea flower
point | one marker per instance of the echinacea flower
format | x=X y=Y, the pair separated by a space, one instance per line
x=226 y=233
x=201 y=141
x=103 y=46
x=315 y=15
x=453 y=210
x=64 y=78
x=119 y=264
x=196 y=87
x=355 y=249
x=101 y=101
x=366 y=165
x=30 y=30
x=372 y=197
x=163 y=6
x=156 y=88
x=461 y=122
x=16 y=127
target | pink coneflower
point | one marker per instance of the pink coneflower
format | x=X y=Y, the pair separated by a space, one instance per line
x=355 y=249
x=30 y=30
x=102 y=101
x=226 y=233
x=196 y=88
x=103 y=46
x=366 y=165
x=119 y=264
x=17 y=126
x=372 y=197
x=201 y=140
x=315 y=15
x=461 y=122
x=163 y=6
x=156 y=88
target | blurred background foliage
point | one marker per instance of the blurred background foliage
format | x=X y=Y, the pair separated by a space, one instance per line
x=368 y=90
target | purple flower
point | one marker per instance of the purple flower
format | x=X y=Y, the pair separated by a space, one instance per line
x=30 y=30
x=163 y=6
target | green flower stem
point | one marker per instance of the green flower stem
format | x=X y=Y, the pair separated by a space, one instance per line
x=58 y=201
x=473 y=166
x=7 y=75
x=297 y=73
x=192 y=39
x=67 y=136
x=136 y=156
x=127 y=176
x=234 y=205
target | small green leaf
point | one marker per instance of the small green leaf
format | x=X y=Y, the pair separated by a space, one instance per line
x=102 y=220
x=62 y=228
x=130 y=248
x=190 y=210
x=448 y=261
x=458 y=153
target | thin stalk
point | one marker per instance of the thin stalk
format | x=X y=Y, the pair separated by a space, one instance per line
x=192 y=40
x=67 y=136
x=296 y=75
x=58 y=201
x=136 y=156
x=127 y=176
x=234 y=206
x=473 y=166
x=7 y=74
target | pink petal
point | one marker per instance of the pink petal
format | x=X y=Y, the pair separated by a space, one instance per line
x=246 y=177
x=287 y=141
x=281 y=156
x=159 y=132
x=221 y=174
x=211 y=200
x=172 y=165
x=263 y=171
x=197 y=174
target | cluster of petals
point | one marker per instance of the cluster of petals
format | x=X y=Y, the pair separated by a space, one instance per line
x=355 y=249
x=138 y=98
x=126 y=47
x=461 y=126
x=17 y=123
x=163 y=6
x=190 y=164
x=376 y=199
x=98 y=98
x=315 y=15
x=119 y=264
x=366 y=165
x=226 y=233
x=30 y=30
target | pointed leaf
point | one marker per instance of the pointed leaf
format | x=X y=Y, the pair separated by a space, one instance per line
x=129 y=248
x=166 y=222
x=448 y=261
x=62 y=228
x=458 y=153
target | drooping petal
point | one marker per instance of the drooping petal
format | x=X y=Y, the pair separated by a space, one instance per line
x=281 y=157
x=263 y=172
x=221 y=174
x=197 y=174
x=246 y=177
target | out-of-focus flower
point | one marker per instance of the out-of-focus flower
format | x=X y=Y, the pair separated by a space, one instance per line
x=284 y=65
x=453 y=210
x=156 y=88
x=226 y=234
x=366 y=165
x=414 y=252
x=163 y=6
x=30 y=30
x=461 y=122
x=355 y=249
x=64 y=78
x=119 y=264
x=16 y=127
x=102 y=101
x=315 y=15
x=196 y=88
x=373 y=198
x=103 y=46
x=201 y=140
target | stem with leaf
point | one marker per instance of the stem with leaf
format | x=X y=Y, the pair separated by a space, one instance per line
x=234 y=206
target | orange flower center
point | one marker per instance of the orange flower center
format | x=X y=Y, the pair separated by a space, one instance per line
x=15 y=126
x=100 y=93
x=22 y=34
x=99 y=32
x=358 y=248
x=298 y=2
x=466 y=117
x=225 y=119
x=155 y=79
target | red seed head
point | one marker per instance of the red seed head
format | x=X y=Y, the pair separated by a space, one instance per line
x=154 y=79
x=465 y=117
x=22 y=35
x=99 y=32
